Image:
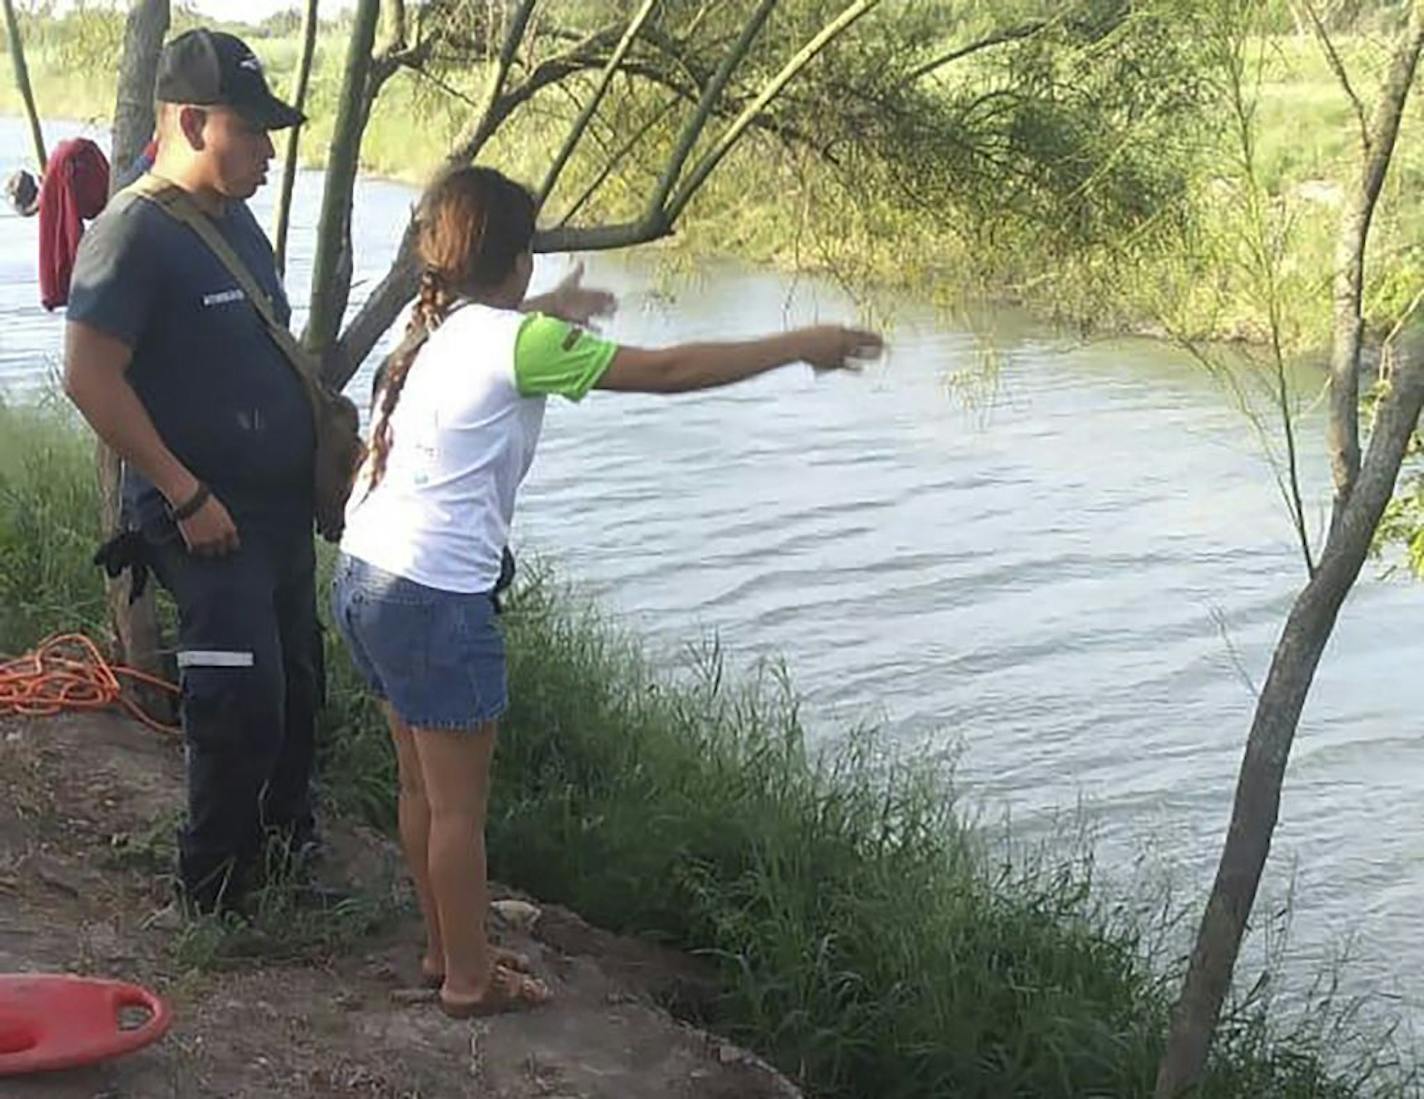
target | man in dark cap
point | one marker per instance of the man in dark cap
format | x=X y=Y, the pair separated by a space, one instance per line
x=172 y=366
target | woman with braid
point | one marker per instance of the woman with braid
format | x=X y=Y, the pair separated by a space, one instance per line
x=456 y=422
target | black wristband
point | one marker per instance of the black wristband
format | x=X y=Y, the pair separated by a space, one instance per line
x=191 y=506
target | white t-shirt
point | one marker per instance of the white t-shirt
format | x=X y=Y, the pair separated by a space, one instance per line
x=463 y=436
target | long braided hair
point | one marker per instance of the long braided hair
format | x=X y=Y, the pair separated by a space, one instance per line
x=473 y=225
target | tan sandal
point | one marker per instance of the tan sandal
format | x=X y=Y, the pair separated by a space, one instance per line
x=508 y=991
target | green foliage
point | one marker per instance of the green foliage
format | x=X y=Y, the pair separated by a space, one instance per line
x=1403 y=524
x=80 y=37
x=1290 y=16
x=49 y=528
x=1400 y=535
x=1083 y=168
x=283 y=920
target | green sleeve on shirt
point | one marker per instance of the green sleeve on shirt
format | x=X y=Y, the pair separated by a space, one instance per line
x=554 y=357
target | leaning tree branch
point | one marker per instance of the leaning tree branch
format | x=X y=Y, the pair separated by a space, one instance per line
x=603 y=238
x=614 y=160
x=398 y=284
x=998 y=38
x=331 y=270
x=22 y=81
x=468 y=145
x=342 y=357
x=576 y=131
x=803 y=57
x=1343 y=430
x=1337 y=66
x=692 y=132
x=377 y=313
x=657 y=220
x=294 y=135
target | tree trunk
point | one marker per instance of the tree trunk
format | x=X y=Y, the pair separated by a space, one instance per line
x=136 y=635
x=144 y=31
x=1343 y=431
x=1362 y=492
x=1258 y=789
x=393 y=28
x=294 y=136
x=22 y=81
x=341 y=358
x=331 y=271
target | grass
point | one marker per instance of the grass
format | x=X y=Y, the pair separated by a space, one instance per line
x=49 y=526
x=868 y=940
x=281 y=920
x=282 y=923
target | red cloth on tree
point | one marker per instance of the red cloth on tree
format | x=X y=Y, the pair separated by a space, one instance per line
x=76 y=187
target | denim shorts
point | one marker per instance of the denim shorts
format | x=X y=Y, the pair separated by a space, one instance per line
x=436 y=656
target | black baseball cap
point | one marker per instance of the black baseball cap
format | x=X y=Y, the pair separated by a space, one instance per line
x=211 y=68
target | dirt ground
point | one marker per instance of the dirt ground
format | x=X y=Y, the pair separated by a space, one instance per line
x=79 y=799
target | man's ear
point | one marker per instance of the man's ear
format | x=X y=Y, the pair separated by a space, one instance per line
x=192 y=121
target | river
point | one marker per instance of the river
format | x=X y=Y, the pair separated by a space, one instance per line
x=1071 y=584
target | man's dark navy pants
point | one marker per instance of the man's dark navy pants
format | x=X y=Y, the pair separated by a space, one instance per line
x=250 y=661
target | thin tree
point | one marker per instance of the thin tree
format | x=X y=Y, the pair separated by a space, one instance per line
x=1363 y=489
x=135 y=623
x=310 y=25
x=22 y=81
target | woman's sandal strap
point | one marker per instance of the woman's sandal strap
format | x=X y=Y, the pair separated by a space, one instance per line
x=508 y=991
x=509 y=959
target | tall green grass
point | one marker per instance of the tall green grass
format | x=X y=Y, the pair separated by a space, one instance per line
x=867 y=939
x=49 y=526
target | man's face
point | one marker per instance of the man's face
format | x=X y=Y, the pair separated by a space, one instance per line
x=235 y=152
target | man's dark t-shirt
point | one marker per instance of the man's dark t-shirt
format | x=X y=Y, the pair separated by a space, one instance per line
x=220 y=393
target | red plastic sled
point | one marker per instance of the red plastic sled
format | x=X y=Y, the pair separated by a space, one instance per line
x=52 y=1021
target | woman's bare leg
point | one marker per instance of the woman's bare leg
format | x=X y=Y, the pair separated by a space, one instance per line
x=413 y=814
x=455 y=767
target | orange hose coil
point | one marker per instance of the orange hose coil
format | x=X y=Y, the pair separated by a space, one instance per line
x=68 y=673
